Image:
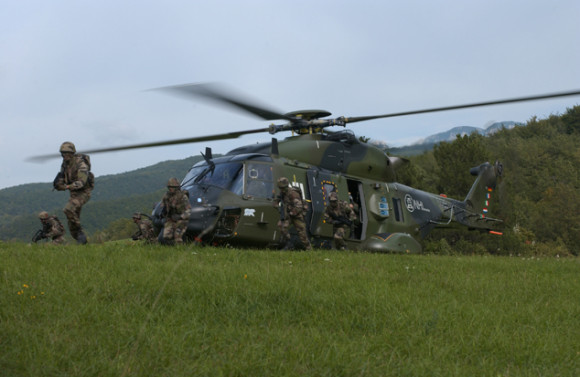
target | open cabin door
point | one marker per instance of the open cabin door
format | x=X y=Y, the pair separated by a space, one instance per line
x=321 y=185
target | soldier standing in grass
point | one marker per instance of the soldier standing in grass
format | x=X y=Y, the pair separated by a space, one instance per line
x=75 y=175
x=177 y=211
x=51 y=228
x=291 y=211
x=145 y=229
x=341 y=216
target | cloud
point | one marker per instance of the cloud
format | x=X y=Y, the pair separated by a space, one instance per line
x=73 y=71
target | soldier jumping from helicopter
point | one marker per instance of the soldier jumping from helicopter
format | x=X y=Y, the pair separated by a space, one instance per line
x=75 y=175
x=177 y=211
x=341 y=216
x=291 y=211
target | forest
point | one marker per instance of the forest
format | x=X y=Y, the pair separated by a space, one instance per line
x=538 y=198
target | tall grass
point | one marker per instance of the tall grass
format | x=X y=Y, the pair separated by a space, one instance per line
x=132 y=310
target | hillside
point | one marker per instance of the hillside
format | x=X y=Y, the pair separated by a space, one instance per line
x=538 y=199
x=115 y=196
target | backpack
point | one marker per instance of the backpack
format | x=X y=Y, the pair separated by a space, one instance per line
x=91 y=179
x=305 y=207
x=59 y=224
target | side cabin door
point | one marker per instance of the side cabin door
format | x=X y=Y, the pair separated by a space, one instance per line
x=321 y=184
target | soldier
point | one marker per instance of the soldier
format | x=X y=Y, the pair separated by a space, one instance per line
x=341 y=216
x=51 y=228
x=177 y=211
x=145 y=229
x=75 y=175
x=291 y=211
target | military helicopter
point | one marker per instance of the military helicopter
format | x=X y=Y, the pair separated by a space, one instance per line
x=232 y=195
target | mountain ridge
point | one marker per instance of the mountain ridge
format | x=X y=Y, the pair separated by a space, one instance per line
x=426 y=144
x=450 y=135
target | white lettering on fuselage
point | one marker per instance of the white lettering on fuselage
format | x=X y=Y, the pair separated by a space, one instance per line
x=249 y=212
x=413 y=204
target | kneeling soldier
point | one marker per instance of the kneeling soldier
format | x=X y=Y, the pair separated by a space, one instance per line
x=145 y=231
x=177 y=211
x=51 y=228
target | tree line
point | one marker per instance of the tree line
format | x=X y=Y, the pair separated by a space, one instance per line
x=538 y=197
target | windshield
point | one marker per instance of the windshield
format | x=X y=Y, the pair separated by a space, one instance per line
x=227 y=176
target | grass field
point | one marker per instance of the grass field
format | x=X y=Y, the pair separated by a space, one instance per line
x=130 y=310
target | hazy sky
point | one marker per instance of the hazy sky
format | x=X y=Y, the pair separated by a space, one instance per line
x=80 y=70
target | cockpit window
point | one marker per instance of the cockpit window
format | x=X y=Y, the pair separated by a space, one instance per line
x=259 y=182
x=227 y=176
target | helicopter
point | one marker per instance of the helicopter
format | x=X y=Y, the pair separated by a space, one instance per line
x=233 y=196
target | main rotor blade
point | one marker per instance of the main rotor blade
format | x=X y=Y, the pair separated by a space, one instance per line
x=215 y=93
x=477 y=104
x=229 y=135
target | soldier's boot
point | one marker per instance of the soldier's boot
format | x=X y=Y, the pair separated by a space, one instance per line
x=81 y=238
x=284 y=243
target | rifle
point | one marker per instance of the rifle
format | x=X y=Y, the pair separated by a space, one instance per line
x=341 y=220
x=39 y=235
x=58 y=183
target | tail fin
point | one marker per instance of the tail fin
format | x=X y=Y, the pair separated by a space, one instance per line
x=477 y=201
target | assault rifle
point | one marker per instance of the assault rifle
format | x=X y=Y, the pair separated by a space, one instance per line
x=39 y=235
x=341 y=220
x=58 y=183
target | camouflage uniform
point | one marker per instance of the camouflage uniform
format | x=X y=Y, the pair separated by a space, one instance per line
x=146 y=231
x=51 y=228
x=177 y=211
x=76 y=177
x=336 y=214
x=293 y=213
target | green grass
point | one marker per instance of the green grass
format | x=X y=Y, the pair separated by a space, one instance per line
x=125 y=310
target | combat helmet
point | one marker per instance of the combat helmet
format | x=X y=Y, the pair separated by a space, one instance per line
x=43 y=215
x=137 y=215
x=173 y=182
x=283 y=182
x=333 y=196
x=68 y=147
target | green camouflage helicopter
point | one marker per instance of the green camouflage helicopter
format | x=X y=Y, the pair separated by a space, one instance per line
x=232 y=196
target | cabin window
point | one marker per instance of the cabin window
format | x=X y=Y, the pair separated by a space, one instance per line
x=327 y=188
x=227 y=176
x=398 y=209
x=259 y=182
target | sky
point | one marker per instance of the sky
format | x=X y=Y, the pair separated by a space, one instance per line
x=81 y=71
